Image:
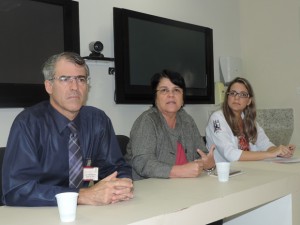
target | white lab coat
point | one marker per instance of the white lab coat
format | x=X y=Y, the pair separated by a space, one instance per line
x=219 y=133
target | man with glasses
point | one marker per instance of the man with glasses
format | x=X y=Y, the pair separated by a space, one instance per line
x=61 y=145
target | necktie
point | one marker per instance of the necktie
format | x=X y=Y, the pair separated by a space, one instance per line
x=75 y=158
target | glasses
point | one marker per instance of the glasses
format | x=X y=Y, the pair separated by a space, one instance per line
x=165 y=91
x=241 y=94
x=65 y=80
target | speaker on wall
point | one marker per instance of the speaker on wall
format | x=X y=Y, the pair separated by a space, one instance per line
x=230 y=68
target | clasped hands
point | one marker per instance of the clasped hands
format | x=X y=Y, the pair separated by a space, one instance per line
x=107 y=191
x=283 y=151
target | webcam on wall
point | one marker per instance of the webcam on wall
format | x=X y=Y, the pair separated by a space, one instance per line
x=96 y=48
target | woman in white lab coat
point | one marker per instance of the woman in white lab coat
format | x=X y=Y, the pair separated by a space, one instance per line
x=236 y=133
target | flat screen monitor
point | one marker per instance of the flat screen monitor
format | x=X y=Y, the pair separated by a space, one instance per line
x=147 y=44
x=31 y=31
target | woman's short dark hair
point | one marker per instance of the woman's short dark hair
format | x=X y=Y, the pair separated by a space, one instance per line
x=174 y=77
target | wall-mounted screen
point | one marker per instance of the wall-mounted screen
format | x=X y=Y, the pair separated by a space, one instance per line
x=31 y=31
x=147 y=44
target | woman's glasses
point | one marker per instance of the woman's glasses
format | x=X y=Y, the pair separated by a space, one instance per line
x=165 y=91
x=241 y=94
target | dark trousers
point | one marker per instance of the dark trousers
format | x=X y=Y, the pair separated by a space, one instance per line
x=219 y=222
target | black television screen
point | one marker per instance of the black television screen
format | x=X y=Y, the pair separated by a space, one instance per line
x=31 y=31
x=147 y=44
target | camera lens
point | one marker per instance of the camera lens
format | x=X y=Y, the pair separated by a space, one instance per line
x=96 y=46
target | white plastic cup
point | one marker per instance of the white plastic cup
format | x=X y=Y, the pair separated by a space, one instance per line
x=223 y=169
x=67 y=205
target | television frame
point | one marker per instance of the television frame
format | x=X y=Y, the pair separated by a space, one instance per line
x=22 y=95
x=127 y=93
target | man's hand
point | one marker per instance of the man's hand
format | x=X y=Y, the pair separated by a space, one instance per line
x=109 y=190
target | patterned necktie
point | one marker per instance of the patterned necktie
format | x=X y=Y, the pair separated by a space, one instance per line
x=75 y=158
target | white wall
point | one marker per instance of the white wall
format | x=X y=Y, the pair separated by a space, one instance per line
x=96 y=23
x=265 y=34
x=270 y=40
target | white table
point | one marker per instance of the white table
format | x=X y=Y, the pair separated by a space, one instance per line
x=184 y=201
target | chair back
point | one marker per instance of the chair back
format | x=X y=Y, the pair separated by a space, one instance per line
x=123 y=141
x=2 y=150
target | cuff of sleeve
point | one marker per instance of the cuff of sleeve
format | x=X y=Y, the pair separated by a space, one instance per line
x=210 y=170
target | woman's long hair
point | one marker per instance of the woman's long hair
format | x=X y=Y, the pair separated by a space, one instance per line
x=249 y=121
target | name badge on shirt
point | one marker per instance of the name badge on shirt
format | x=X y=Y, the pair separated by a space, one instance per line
x=90 y=173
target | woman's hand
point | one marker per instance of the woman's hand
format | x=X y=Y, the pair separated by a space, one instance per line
x=208 y=159
x=282 y=151
x=289 y=153
x=292 y=148
x=190 y=169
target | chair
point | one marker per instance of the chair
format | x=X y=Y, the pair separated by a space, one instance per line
x=204 y=139
x=123 y=141
x=278 y=124
x=2 y=150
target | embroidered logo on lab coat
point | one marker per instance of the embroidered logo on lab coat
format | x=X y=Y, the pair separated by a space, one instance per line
x=217 y=126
